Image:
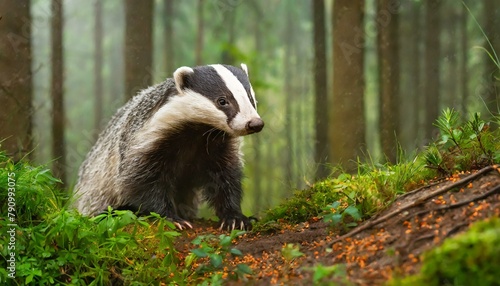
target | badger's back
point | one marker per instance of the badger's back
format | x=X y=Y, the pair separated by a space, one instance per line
x=98 y=177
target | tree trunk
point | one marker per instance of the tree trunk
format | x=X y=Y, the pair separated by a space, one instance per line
x=491 y=94
x=168 y=20
x=452 y=99
x=464 y=48
x=431 y=68
x=288 y=89
x=388 y=54
x=259 y=199
x=320 y=89
x=98 y=89
x=411 y=85
x=15 y=78
x=58 y=118
x=229 y=25
x=347 y=120
x=138 y=45
x=199 y=36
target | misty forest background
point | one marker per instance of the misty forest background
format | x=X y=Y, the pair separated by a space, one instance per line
x=335 y=80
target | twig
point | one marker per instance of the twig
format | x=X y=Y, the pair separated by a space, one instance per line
x=439 y=181
x=459 y=204
x=415 y=203
x=423 y=237
x=455 y=229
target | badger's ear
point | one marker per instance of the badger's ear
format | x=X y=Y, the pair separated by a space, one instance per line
x=244 y=68
x=181 y=78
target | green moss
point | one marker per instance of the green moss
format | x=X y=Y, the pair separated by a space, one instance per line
x=370 y=191
x=472 y=258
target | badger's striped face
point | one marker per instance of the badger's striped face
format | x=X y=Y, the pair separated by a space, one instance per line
x=221 y=96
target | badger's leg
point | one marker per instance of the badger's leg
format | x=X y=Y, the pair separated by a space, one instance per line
x=186 y=203
x=158 y=198
x=224 y=194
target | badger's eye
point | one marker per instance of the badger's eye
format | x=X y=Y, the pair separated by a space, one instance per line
x=222 y=101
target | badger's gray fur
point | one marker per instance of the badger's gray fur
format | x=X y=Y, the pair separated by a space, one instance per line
x=171 y=142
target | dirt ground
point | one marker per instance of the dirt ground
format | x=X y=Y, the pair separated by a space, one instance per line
x=385 y=245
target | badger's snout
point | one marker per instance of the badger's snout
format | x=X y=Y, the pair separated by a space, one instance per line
x=254 y=125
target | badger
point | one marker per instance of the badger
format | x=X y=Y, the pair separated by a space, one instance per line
x=173 y=145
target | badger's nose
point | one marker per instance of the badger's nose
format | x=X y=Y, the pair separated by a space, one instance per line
x=255 y=125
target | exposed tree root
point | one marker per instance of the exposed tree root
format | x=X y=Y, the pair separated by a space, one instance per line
x=455 y=229
x=437 y=182
x=459 y=204
x=437 y=192
x=423 y=237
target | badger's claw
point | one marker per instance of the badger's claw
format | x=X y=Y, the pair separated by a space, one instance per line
x=182 y=224
x=240 y=222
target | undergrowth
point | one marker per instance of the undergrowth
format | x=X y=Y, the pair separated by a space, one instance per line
x=347 y=199
x=463 y=144
x=53 y=245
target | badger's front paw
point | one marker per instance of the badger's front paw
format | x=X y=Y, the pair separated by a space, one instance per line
x=180 y=223
x=236 y=222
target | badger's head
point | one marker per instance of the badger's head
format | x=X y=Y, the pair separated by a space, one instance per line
x=219 y=95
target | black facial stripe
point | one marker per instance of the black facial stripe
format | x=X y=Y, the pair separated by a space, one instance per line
x=243 y=78
x=207 y=82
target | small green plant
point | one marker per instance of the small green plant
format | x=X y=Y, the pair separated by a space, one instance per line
x=216 y=250
x=291 y=252
x=452 y=134
x=463 y=145
x=336 y=214
x=329 y=275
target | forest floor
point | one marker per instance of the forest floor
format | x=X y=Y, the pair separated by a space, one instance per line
x=388 y=244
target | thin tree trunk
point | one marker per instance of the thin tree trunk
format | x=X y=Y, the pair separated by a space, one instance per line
x=16 y=79
x=414 y=91
x=288 y=88
x=452 y=99
x=347 y=120
x=463 y=62
x=168 y=19
x=199 y=37
x=58 y=118
x=320 y=89
x=98 y=89
x=229 y=25
x=388 y=54
x=492 y=92
x=432 y=72
x=259 y=199
x=138 y=45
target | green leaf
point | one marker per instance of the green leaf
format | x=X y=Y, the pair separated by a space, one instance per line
x=236 y=252
x=215 y=260
x=457 y=133
x=353 y=212
x=225 y=240
x=29 y=279
x=290 y=252
x=243 y=268
x=333 y=218
x=199 y=252
x=190 y=258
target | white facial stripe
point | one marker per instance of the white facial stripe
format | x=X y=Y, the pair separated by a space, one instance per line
x=253 y=96
x=247 y=111
x=188 y=107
